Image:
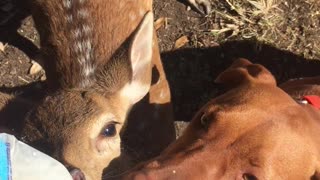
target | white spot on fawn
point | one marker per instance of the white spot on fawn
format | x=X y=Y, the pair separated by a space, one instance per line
x=69 y=18
x=76 y=33
x=78 y=46
x=88 y=70
x=81 y=36
x=67 y=3
x=83 y=13
x=86 y=29
x=81 y=60
x=87 y=45
x=85 y=82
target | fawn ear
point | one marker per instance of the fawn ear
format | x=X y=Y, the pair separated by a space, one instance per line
x=140 y=55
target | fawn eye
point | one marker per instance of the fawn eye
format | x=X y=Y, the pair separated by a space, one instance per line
x=247 y=176
x=110 y=130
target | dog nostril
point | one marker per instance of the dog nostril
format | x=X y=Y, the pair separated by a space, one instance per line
x=248 y=176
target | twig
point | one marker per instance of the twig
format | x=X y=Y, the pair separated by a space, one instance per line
x=24 y=80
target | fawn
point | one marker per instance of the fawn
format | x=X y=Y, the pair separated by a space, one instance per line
x=101 y=57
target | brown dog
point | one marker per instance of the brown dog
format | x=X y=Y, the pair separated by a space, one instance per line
x=254 y=131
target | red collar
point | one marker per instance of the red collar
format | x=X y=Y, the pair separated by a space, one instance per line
x=313 y=100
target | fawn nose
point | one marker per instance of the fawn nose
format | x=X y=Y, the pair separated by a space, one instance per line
x=77 y=174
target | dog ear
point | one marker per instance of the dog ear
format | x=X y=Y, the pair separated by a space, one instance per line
x=235 y=74
x=243 y=71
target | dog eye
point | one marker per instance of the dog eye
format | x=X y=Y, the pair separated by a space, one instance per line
x=110 y=130
x=204 y=119
x=247 y=176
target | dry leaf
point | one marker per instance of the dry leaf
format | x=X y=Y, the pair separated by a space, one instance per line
x=43 y=77
x=159 y=23
x=35 y=68
x=2 y=47
x=181 y=42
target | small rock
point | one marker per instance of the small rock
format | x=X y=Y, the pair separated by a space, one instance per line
x=180 y=126
x=13 y=71
x=35 y=68
x=2 y=73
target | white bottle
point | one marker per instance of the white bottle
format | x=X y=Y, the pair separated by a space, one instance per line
x=18 y=161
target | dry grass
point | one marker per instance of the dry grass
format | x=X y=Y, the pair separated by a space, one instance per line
x=282 y=23
x=247 y=18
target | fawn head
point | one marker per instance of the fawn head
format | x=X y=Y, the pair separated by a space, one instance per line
x=81 y=126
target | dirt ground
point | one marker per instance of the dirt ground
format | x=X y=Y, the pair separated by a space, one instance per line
x=282 y=35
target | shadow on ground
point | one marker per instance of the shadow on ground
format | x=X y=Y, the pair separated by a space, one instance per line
x=191 y=72
x=33 y=91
